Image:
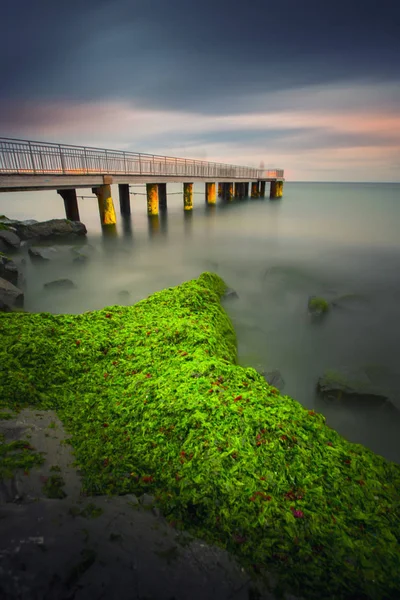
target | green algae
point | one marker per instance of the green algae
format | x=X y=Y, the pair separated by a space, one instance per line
x=17 y=455
x=318 y=304
x=154 y=402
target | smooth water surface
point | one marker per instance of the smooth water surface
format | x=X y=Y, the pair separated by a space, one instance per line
x=319 y=239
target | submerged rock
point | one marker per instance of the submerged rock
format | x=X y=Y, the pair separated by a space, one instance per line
x=124 y=295
x=44 y=253
x=230 y=294
x=317 y=306
x=353 y=384
x=274 y=378
x=59 y=283
x=8 y=270
x=10 y=295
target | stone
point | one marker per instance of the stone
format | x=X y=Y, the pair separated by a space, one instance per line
x=8 y=270
x=352 y=384
x=10 y=295
x=132 y=499
x=230 y=294
x=147 y=500
x=55 y=228
x=44 y=253
x=59 y=283
x=124 y=294
x=317 y=306
x=10 y=239
x=274 y=378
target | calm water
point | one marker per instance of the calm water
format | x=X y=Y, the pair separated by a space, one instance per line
x=320 y=239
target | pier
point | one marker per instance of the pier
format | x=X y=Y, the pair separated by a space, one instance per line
x=32 y=166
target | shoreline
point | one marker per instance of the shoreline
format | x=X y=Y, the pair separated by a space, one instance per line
x=226 y=456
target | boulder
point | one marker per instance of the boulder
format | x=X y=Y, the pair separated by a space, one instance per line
x=59 y=284
x=10 y=239
x=230 y=294
x=10 y=295
x=8 y=269
x=352 y=384
x=317 y=306
x=274 y=378
x=55 y=228
x=124 y=295
x=82 y=253
x=42 y=253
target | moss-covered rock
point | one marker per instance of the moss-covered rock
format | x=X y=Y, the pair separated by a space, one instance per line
x=317 y=306
x=155 y=403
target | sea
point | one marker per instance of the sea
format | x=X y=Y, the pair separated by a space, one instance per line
x=340 y=241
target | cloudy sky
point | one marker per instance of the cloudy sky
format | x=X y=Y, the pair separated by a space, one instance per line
x=311 y=86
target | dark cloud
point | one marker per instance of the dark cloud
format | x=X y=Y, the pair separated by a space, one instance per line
x=209 y=56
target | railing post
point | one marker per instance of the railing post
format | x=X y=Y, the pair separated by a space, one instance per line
x=62 y=159
x=140 y=165
x=31 y=155
x=86 y=161
x=176 y=166
x=125 y=173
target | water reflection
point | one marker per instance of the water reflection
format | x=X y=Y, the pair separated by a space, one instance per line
x=188 y=221
x=126 y=221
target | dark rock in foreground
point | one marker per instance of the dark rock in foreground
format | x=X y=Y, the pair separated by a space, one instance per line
x=10 y=295
x=10 y=239
x=59 y=284
x=8 y=270
x=48 y=229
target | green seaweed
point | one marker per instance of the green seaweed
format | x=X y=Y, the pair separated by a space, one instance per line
x=17 y=455
x=155 y=402
x=53 y=487
x=318 y=304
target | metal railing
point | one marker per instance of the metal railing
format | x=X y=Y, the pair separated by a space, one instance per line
x=43 y=158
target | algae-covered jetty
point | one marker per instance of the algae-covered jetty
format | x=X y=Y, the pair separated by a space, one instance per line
x=154 y=402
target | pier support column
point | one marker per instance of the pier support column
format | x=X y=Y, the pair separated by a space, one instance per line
x=254 y=189
x=262 y=189
x=210 y=193
x=220 y=190
x=237 y=189
x=246 y=189
x=276 y=189
x=152 y=199
x=229 y=191
x=106 y=204
x=70 y=203
x=162 y=196
x=188 y=196
x=124 y=198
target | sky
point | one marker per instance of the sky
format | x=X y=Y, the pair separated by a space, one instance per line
x=310 y=86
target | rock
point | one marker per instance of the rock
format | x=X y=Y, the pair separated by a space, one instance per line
x=8 y=270
x=10 y=239
x=147 y=500
x=44 y=253
x=82 y=253
x=59 y=283
x=274 y=378
x=10 y=295
x=230 y=294
x=124 y=294
x=352 y=384
x=132 y=499
x=55 y=228
x=80 y=259
x=350 y=301
x=317 y=306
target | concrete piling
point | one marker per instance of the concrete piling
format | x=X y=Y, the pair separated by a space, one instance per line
x=152 y=199
x=124 y=198
x=70 y=204
x=106 y=204
x=210 y=193
x=188 y=196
